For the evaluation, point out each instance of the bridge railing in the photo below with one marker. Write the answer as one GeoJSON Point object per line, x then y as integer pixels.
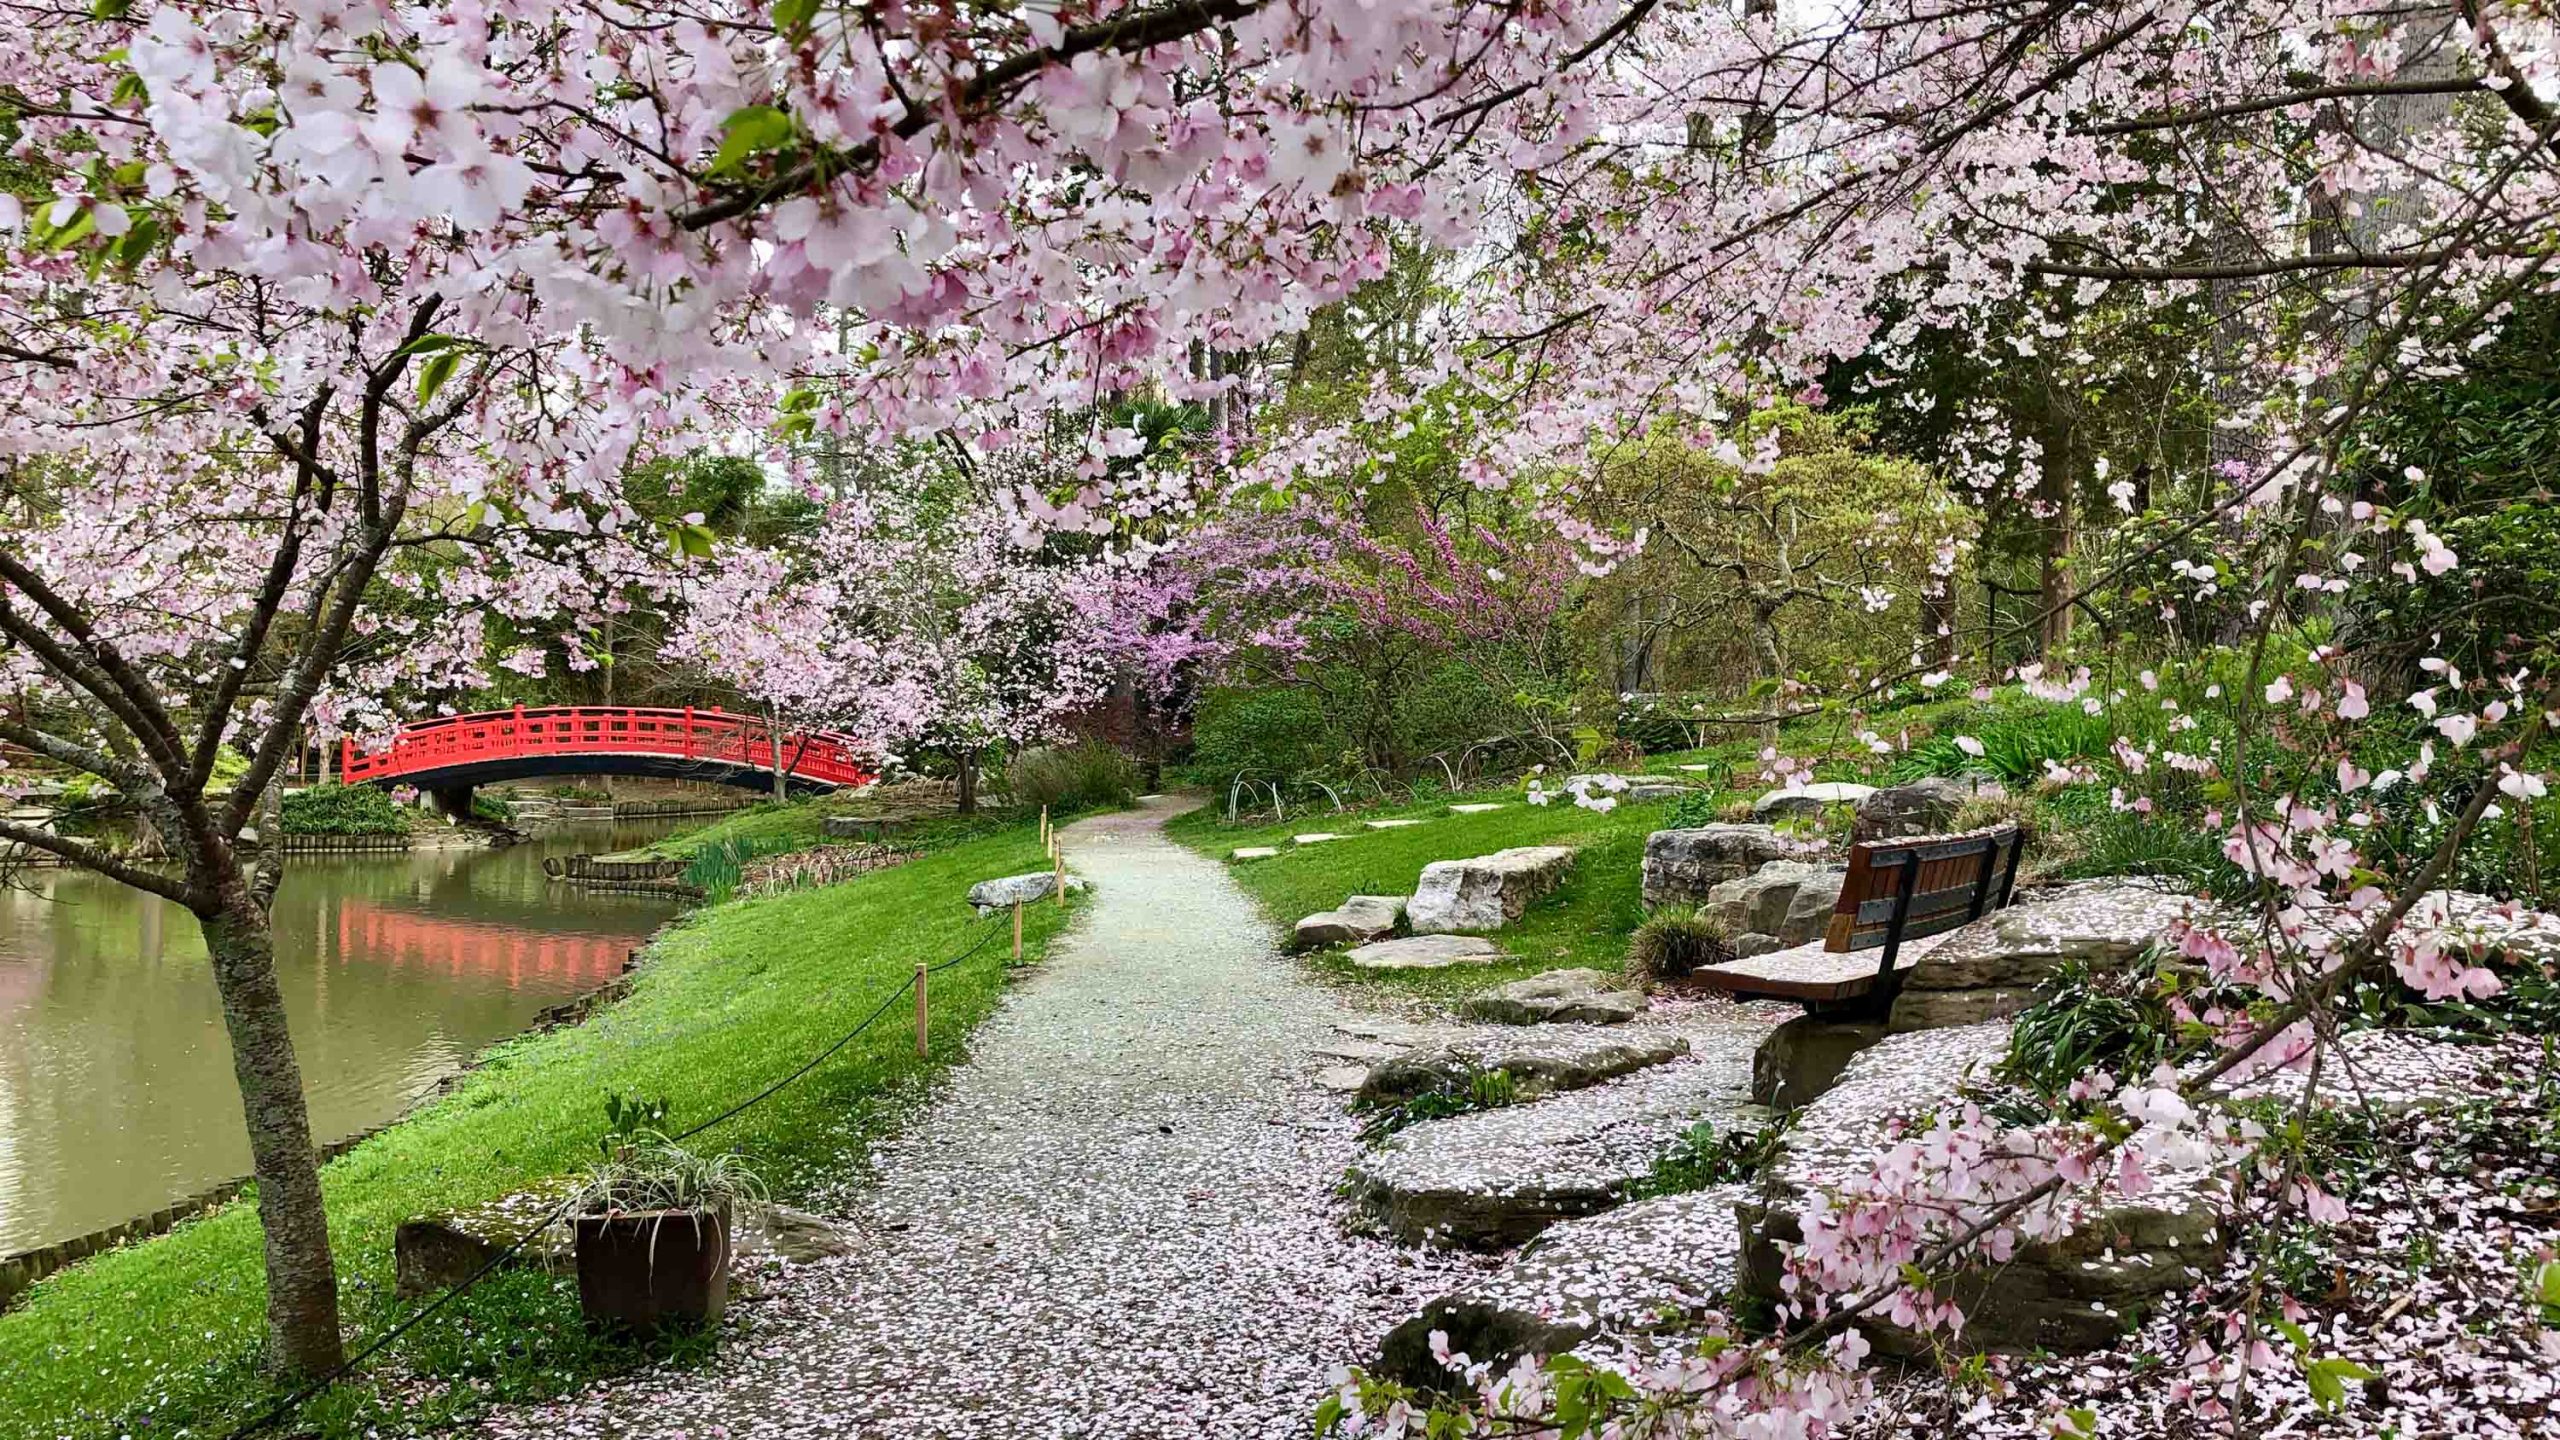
{"type": "Point", "coordinates": [689, 734]}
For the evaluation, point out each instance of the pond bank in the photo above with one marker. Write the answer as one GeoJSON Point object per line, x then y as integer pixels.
{"type": "Point", "coordinates": [729, 999]}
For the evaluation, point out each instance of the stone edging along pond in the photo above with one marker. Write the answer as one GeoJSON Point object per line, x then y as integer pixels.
{"type": "Point", "coordinates": [20, 1272]}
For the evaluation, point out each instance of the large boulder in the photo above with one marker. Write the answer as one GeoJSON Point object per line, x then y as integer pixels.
{"type": "Point", "coordinates": [1487, 892]}
{"type": "Point", "coordinates": [1807, 801]}
{"type": "Point", "coordinates": [1494, 1178]}
{"type": "Point", "coordinates": [2069, 1295]}
{"type": "Point", "coordinates": [1990, 969]}
{"type": "Point", "coordinates": [1682, 866]}
{"type": "Point", "coordinates": [1788, 901]}
{"type": "Point", "coordinates": [1648, 1268]}
{"type": "Point", "coordinates": [1539, 1062]}
{"type": "Point", "coordinates": [1019, 889]}
{"type": "Point", "coordinates": [1923, 807]}
{"type": "Point", "coordinates": [1578, 996]}
{"type": "Point", "coordinates": [1425, 952]}
{"type": "Point", "coordinates": [1359, 920]}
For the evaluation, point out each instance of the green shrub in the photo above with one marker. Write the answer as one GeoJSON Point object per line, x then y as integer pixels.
{"type": "Point", "coordinates": [1085, 776]}
{"type": "Point", "coordinates": [715, 869]}
{"type": "Point", "coordinates": [1275, 734]}
{"type": "Point", "coordinates": [2015, 744]}
{"type": "Point", "coordinates": [2089, 1017]}
{"type": "Point", "coordinates": [1697, 808]}
{"type": "Point", "coordinates": [1705, 1156]}
{"type": "Point", "coordinates": [341, 810]}
{"type": "Point", "coordinates": [1983, 812]}
{"type": "Point", "coordinates": [1672, 943]}
{"type": "Point", "coordinates": [1477, 1090]}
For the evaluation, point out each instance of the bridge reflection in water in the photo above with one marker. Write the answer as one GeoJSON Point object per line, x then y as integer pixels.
{"type": "Point", "coordinates": [116, 1094]}
{"type": "Point", "coordinates": [370, 934]}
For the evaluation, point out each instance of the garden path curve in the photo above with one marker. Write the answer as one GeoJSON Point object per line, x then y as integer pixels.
{"type": "Point", "coordinates": [1113, 1222]}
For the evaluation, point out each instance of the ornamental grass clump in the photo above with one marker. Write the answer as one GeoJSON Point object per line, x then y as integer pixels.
{"type": "Point", "coordinates": [1674, 942]}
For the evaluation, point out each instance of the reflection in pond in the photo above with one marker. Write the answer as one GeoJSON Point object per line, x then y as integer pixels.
{"type": "Point", "coordinates": [116, 1094]}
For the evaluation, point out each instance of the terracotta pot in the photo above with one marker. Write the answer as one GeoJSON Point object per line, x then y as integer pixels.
{"type": "Point", "coordinates": [647, 1269]}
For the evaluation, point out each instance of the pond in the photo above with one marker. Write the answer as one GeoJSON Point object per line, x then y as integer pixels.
{"type": "Point", "coordinates": [116, 1093]}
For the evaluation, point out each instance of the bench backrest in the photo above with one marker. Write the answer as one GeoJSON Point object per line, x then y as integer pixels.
{"type": "Point", "coordinates": [1919, 885]}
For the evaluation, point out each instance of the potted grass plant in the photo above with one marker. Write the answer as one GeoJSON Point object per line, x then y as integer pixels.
{"type": "Point", "coordinates": [652, 1223]}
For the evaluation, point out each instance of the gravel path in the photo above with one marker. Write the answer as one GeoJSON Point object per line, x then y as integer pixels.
{"type": "Point", "coordinates": [1115, 1220]}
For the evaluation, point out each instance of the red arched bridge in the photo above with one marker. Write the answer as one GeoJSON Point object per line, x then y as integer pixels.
{"type": "Point", "coordinates": [449, 756]}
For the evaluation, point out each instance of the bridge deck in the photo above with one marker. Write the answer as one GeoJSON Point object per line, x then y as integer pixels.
{"type": "Point", "coordinates": [685, 743]}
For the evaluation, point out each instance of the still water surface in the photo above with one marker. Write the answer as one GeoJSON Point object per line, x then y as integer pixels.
{"type": "Point", "coordinates": [116, 1094]}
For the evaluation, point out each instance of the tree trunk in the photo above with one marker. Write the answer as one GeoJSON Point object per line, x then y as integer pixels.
{"type": "Point", "coordinates": [1938, 625]}
{"type": "Point", "coordinates": [965, 768]}
{"type": "Point", "coordinates": [302, 1279]}
{"type": "Point", "coordinates": [773, 737]}
{"type": "Point", "coordinates": [2054, 489]}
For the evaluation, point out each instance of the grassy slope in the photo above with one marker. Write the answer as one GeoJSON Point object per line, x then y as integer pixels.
{"type": "Point", "coordinates": [164, 1333]}
{"type": "Point", "coordinates": [1585, 922]}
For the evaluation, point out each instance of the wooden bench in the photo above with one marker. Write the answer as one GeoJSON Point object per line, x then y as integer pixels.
{"type": "Point", "coordinates": [1896, 892]}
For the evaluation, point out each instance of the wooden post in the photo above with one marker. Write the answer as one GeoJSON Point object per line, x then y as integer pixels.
{"type": "Point", "coordinates": [1061, 852]}
{"type": "Point", "coordinates": [1044, 827]}
{"type": "Point", "coordinates": [1017, 932]}
{"type": "Point", "coordinates": [922, 1031]}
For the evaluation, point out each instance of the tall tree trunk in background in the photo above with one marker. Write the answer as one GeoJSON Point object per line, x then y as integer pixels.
{"type": "Point", "coordinates": [2055, 492]}
{"type": "Point", "coordinates": [302, 1280]}
{"type": "Point", "coordinates": [1938, 625]}
{"type": "Point", "coordinates": [965, 781]}
{"type": "Point", "coordinates": [773, 736]}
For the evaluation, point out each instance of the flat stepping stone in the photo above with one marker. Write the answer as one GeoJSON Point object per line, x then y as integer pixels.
{"type": "Point", "coordinates": [1494, 1178]}
{"type": "Point", "coordinates": [1539, 1062]}
{"type": "Point", "coordinates": [1558, 997]}
{"type": "Point", "coordinates": [1254, 852]}
{"type": "Point", "coordinates": [1487, 892]}
{"type": "Point", "coordinates": [1315, 837]}
{"type": "Point", "coordinates": [1356, 921]}
{"type": "Point", "coordinates": [438, 1252]}
{"type": "Point", "coordinates": [1389, 824]}
{"type": "Point", "coordinates": [1478, 808]}
{"type": "Point", "coordinates": [1641, 1270]}
{"type": "Point", "coordinates": [1701, 769]}
{"type": "Point", "coordinates": [1426, 952]}
{"type": "Point", "coordinates": [1634, 789]}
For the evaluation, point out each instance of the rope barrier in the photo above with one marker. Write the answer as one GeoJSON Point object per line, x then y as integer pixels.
{"type": "Point", "coordinates": [375, 1346]}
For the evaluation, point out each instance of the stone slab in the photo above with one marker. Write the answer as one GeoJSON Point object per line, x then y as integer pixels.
{"type": "Point", "coordinates": [1254, 852]}
{"type": "Point", "coordinates": [1389, 824]}
{"type": "Point", "coordinates": [1316, 837]}
{"type": "Point", "coordinates": [1478, 808]}
{"type": "Point", "coordinates": [1499, 1177]}
{"type": "Point", "coordinates": [1019, 889]}
{"type": "Point", "coordinates": [1577, 996]}
{"type": "Point", "coordinates": [1643, 1269]}
{"type": "Point", "coordinates": [1809, 800]}
{"type": "Point", "coordinates": [1425, 952]}
{"type": "Point", "coordinates": [1540, 1062]}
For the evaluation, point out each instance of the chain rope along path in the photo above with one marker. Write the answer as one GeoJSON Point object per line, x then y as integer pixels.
{"type": "Point", "coordinates": [276, 1413]}
{"type": "Point", "coordinates": [1115, 1221]}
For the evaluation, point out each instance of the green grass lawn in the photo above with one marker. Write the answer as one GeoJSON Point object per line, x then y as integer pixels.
{"type": "Point", "coordinates": [1584, 922]}
{"type": "Point", "coordinates": [162, 1338]}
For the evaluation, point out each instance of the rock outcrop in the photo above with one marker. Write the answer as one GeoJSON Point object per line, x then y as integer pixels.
{"type": "Point", "coordinates": [1652, 1267]}
{"type": "Point", "coordinates": [1425, 952]}
{"type": "Point", "coordinates": [1990, 969]}
{"type": "Point", "coordinates": [1785, 902]}
{"type": "Point", "coordinates": [2070, 1295]}
{"type": "Point", "coordinates": [437, 1252]}
{"type": "Point", "coordinates": [1487, 892]}
{"type": "Point", "coordinates": [1569, 997]}
{"type": "Point", "coordinates": [1682, 866]}
{"type": "Point", "coordinates": [1357, 921]}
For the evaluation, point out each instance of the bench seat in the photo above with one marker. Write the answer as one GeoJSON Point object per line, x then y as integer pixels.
{"type": "Point", "coordinates": [1809, 972]}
